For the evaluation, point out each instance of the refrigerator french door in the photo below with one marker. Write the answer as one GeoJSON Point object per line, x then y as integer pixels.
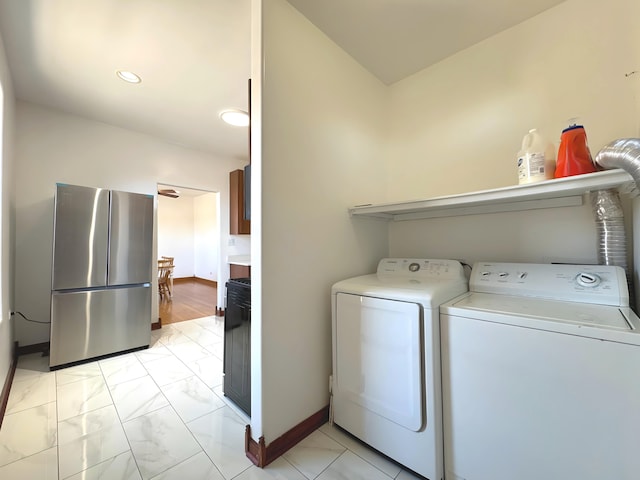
{"type": "Point", "coordinates": [101, 273]}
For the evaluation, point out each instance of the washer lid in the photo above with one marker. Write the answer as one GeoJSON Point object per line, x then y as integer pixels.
{"type": "Point", "coordinates": [597, 321]}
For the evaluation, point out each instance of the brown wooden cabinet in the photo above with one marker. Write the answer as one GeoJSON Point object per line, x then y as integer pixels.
{"type": "Point", "coordinates": [239, 271]}
{"type": "Point", "coordinates": [238, 224]}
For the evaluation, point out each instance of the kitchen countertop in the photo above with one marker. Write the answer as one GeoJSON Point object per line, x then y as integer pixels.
{"type": "Point", "coordinates": [244, 260]}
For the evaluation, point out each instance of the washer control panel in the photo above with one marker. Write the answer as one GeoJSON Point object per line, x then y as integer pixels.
{"type": "Point", "coordinates": [599, 284]}
{"type": "Point", "coordinates": [585, 279]}
{"type": "Point", "coordinates": [420, 268]}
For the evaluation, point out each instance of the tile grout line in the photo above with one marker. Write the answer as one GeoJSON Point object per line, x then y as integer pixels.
{"type": "Point", "coordinates": [202, 449]}
{"type": "Point", "coordinates": [113, 402]}
{"type": "Point", "coordinates": [55, 378]}
{"type": "Point", "coordinates": [365, 460]}
{"type": "Point", "coordinates": [210, 389]}
{"type": "Point", "coordinates": [177, 415]}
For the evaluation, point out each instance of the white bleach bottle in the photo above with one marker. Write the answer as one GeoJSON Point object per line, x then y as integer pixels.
{"type": "Point", "coordinates": [536, 159]}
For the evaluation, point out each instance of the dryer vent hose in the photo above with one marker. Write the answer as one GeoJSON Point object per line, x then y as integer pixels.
{"type": "Point", "coordinates": [607, 208]}
{"type": "Point", "coordinates": [612, 241]}
{"type": "Point", "coordinates": [623, 153]}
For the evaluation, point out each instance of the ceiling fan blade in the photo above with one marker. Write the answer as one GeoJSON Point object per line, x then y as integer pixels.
{"type": "Point", "coordinates": [168, 193]}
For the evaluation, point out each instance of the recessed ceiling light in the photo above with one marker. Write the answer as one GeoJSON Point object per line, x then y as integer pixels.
{"type": "Point", "coordinates": [128, 76]}
{"type": "Point", "coordinates": [238, 118]}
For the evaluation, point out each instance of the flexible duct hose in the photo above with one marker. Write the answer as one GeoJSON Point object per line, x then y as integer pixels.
{"type": "Point", "coordinates": [607, 208]}
{"type": "Point", "coordinates": [612, 242]}
{"type": "Point", "coordinates": [623, 153]}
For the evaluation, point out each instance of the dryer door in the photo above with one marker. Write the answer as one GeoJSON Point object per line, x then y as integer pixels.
{"type": "Point", "coordinates": [379, 357]}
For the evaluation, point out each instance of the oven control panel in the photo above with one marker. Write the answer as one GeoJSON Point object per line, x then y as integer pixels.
{"type": "Point", "coordinates": [600, 284]}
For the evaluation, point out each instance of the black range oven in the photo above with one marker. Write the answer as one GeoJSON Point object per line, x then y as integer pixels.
{"type": "Point", "coordinates": [237, 343]}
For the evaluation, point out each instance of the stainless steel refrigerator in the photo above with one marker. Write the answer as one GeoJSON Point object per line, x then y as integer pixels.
{"type": "Point", "coordinates": [101, 273]}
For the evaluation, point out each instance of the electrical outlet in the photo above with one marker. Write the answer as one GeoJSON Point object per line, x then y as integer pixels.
{"type": "Point", "coordinates": [232, 242]}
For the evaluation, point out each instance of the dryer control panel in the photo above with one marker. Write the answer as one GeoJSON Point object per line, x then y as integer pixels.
{"type": "Point", "coordinates": [420, 268]}
{"type": "Point", "coordinates": [598, 284]}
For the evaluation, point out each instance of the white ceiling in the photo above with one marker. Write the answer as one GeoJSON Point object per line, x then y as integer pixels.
{"type": "Point", "coordinates": [397, 38]}
{"type": "Point", "coordinates": [194, 55]}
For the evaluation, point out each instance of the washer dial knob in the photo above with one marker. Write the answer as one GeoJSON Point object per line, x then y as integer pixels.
{"type": "Point", "coordinates": [588, 279]}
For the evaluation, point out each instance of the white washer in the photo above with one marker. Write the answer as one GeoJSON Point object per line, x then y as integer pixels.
{"type": "Point", "coordinates": [541, 375]}
{"type": "Point", "coordinates": [386, 358]}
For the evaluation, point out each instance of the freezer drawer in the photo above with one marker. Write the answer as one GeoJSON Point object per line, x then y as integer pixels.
{"type": "Point", "coordinates": [87, 324]}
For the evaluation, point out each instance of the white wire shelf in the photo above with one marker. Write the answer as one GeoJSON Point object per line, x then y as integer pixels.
{"type": "Point", "coordinates": [562, 192]}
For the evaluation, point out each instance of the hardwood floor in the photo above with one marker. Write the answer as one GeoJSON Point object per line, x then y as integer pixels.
{"type": "Point", "coordinates": [191, 298]}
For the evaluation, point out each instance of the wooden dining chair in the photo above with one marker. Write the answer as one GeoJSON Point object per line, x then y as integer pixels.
{"type": "Point", "coordinates": [170, 261]}
{"type": "Point", "coordinates": [165, 271]}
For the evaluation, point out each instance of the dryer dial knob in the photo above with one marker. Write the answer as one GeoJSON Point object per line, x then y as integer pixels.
{"type": "Point", "coordinates": [588, 279]}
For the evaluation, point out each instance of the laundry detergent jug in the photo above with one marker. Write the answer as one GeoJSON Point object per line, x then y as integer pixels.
{"type": "Point", "coordinates": [574, 157]}
{"type": "Point", "coordinates": [536, 159]}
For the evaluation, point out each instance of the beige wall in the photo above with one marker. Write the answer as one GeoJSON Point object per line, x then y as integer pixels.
{"type": "Point", "coordinates": [55, 147]}
{"type": "Point", "coordinates": [7, 196]}
{"type": "Point", "coordinates": [332, 137]}
{"type": "Point", "coordinates": [175, 233]}
{"type": "Point", "coordinates": [321, 119]}
{"type": "Point", "coordinates": [188, 231]}
{"type": "Point", "coordinates": [458, 126]}
{"type": "Point", "coordinates": [206, 236]}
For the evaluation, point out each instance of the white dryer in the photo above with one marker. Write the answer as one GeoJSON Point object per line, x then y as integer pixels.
{"type": "Point", "coordinates": [541, 375]}
{"type": "Point", "coordinates": [386, 358]}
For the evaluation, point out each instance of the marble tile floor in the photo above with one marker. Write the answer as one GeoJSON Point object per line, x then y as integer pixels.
{"type": "Point", "coordinates": [156, 414]}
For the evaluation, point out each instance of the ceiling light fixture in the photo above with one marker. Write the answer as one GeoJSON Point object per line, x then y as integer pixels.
{"type": "Point", "coordinates": [129, 77]}
{"type": "Point", "coordinates": [237, 118]}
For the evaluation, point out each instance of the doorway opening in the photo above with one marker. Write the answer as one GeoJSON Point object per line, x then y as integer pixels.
{"type": "Point", "coordinates": [188, 234]}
